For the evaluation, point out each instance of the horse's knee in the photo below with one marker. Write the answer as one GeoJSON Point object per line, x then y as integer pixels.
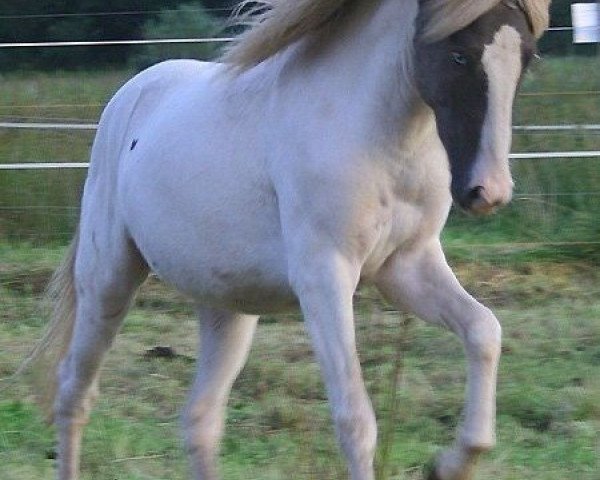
{"type": "Point", "coordinates": [484, 336]}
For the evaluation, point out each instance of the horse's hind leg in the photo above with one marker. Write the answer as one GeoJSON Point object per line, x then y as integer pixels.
{"type": "Point", "coordinates": [106, 274]}
{"type": "Point", "coordinates": [225, 340]}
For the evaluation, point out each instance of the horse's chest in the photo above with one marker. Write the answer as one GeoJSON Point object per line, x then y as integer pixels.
{"type": "Point", "coordinates": [401, 227]}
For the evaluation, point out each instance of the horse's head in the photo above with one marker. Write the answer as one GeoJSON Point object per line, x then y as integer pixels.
{"type": "Point", "coordinates": [469, 79]}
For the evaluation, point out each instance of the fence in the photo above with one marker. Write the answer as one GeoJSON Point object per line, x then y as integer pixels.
{"type": "Point", "coordinates": [41, 177]}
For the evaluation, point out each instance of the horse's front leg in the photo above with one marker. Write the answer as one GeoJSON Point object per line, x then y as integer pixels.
{"type": "Point", "coordinates": [423, 282]}
{"type": "Point", "coordinates": [324, 283]}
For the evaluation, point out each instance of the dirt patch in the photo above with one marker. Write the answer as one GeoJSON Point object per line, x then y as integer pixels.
{"type": "Point", "coordinates": [32, 282]}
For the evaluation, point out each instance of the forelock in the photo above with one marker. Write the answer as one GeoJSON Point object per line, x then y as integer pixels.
{"type": "Point", "coordinates": [442, 18]}
{"type": "Point", "coordinates": [538, 14]}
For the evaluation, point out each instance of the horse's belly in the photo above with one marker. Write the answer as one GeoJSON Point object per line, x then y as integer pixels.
{"type": "Point", "coordinates": [252, 290]}
{"type": "Point", "coordinates": [227, 269]}
{"type": "Point", "coordinates": [209, 225]}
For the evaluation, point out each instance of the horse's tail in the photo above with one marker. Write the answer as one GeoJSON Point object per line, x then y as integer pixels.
{"type": "Point", "coordinates": [44, 359]}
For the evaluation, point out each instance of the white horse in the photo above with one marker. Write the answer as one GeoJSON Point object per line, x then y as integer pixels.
{"type": "Point", "coordinates": [323, 151]}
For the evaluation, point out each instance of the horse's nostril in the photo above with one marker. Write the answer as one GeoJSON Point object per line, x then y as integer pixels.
{"type": "Point", "coordinates": [474, 194]}
{"type": "Point", "coordinates": [478, 201]}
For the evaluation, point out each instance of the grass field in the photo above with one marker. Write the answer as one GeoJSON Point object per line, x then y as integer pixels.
{"type": "Point", "coordinates": [535, 264]}
{"type": "Point", "coordinates": [548, 395]}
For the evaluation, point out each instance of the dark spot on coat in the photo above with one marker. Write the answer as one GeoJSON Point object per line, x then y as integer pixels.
{"type": "Point", "coordinates": [222, 275]}
{"type": "Point", "coordinates": [95, 243]}
{"type": "Point", "coordinates": [133, 144]}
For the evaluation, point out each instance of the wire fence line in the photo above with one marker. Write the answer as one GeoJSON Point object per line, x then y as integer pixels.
{"type": "Point", "coordinates": [94, 126]}
{"type": "Point", "coordinates": [553, 155]}
{"type": "Point", "coordinates": [48, 126]}
{"type": "Point", "coordinates": [157, 41]}
{"type": "Point", "coordinates": [556, 128]}
{"type": "Point", "coordinates": [43, 165]}
{"type": "Point", "coordinates": [156, 12]}
{"type": "Point", "coordinates": [103, 14]}
{"type": "Point", "coordinates": [104, 43]}
{"type": "Point", "coordinates": [558, 94]}
{"type": "Point", "coordinates": [59, 105]}
{"type": "Point", "coordinates": [153, 12]}
{"type": "Point", "coordinates": [44, 122]}
{"type": "Point", "coordinates": [512, 156]}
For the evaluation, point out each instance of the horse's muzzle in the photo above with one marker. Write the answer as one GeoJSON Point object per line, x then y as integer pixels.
{"type": "Point", "coordinates": [481, 201]}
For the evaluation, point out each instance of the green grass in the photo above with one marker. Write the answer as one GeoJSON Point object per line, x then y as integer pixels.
{"type": "Point", "coordinates": [278, 419]}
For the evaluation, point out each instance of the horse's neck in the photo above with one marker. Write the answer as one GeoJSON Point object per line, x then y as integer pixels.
{"type": "Point", "coordinates": [369, 62]}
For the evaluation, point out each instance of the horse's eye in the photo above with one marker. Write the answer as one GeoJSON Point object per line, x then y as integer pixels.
{"type": "Point", "coordinates": [459, 58]}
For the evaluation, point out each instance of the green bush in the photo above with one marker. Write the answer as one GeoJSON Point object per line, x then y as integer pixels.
{"type": "Point", "coordinates": [186, 21]}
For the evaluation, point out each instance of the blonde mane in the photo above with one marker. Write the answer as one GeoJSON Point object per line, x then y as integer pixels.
{"type": "Point", "coordinates": [444, 17]}
{"type": "Point", "coordinates": [276, 24]}
{"type": "Point", "coordinates": [538, 12]}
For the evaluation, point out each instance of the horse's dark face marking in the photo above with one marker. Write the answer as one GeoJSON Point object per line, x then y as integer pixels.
{"type": "Point", "coordinates": [461, 78]}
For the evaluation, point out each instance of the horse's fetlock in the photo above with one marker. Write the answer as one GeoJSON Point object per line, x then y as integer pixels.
{"type": "Point", "coordinates": [202, 425]}
{"type": "Point", "coordinates": [63, 417]}
{"type": "Point", "coordinates": [474, 446]}
{"type": "Point", "coordinates": [72, 408]}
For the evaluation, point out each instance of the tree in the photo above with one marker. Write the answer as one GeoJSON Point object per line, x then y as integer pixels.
{"type": "Point", "coordinates": [65, 20]}
{"type": "Point", "coordinates": [189, 20]}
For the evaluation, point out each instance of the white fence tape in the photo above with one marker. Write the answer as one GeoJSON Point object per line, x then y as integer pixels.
{"type": "Point", "coordinates": [513, 156]}
{"type": "Point", "coordinates": [555, 128]}
{"type": "Point", "coordinates": [101, 43]}
{"type": "Point", "coordinates": [48, 126]}
{"type": "Point", "coordinates": [42, 166]}
{"type": "Point", "coordinates": [93, 126]}
{"type": "Point", "coordinates": [553, 155]}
